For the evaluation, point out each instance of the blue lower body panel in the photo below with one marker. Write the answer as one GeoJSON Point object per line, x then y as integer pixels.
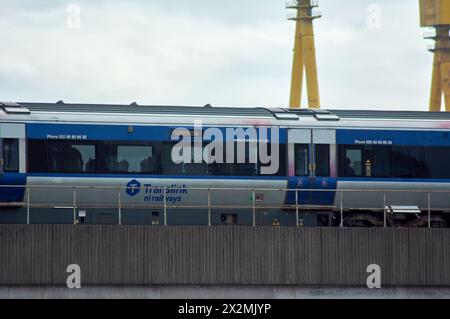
{"type": "Point", "coordinates": [15, 193]}
{"type": "Point", "coordinates": [315, 193]}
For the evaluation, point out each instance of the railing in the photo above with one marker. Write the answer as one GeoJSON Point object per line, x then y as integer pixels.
{"type": "Point", "coordinates": [255, 205]}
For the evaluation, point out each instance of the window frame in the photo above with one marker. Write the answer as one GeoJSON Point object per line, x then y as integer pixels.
{"type": "Point", "coordinates": [102, 159]}
{"type": "Point", "coordinates": [38, 160]}
{"type": "Point", "coordinates": [308, 161]}
{"type": "Point", "coordinates": [71, 143]}
{"type": "Point", "coordinates": [15, 143]}
{"type": "Point", "coordinates": [342, 151]}
{"type": "Point", "coordinates": [328, 162]}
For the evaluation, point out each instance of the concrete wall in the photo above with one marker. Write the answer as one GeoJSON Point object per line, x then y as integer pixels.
{"type": "Point", "coordinates": [140, 255]}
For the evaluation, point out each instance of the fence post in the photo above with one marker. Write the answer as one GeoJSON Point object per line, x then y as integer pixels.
{"type": "Point", "coordinates": [385, 209]}
{"type": "Point", "coordinates": [296, 208]}
{"type": "Point", "coordinates": [28, 205]}
{"type": "Point", "coordinates": [429, 209]}
{"type": "Point", "coordinates": [120, 206]}
{"type": "Point", "coordinates": [74, 205]}
{"type": "Point", "coordinates": [165, 206]}
{"type": "Point", "coordinates": [254, 207]}
{"type": "Point", "coordinates": [209, 207]}
{"type": "Point", "coordinates": [341, 200]}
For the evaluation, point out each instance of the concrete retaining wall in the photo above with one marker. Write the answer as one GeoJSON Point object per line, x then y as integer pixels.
{"type": "Point", "coordinates": [145, 255]}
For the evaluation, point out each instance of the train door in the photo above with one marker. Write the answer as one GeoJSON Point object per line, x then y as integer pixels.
{"type": "Point", "coordinates": [12, 162]}
{"type": "Point", "coordinates": [312, 166]}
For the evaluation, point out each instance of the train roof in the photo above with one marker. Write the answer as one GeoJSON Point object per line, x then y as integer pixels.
{"type": "Point", "coordinates": [208, 110]}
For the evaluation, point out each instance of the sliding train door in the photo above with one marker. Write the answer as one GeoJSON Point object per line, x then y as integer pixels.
{"type": "Point", "coordinates": [12, 162]}
{"type": "Point", "coordinates": [312, 166]}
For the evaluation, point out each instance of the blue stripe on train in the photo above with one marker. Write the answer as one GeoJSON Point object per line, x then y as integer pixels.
{"type": "Point", "coordinates": [320, 197]}
{"type": "Point", "coordinates": [143, 176]}
{"type": "Point", "coordinates": [292, 180]}
{"type": "Point", "coordinates": [12, 194]}
{"type": "Point", "coordinates": [393, 180]}
{"type": "Point", "coordinates": [93, 132]}
{"type": "Point", "coordinates": [391, 137]}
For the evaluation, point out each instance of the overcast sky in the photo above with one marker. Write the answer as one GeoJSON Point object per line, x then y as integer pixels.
{"type": "Point", "coordinates": [371, 54]}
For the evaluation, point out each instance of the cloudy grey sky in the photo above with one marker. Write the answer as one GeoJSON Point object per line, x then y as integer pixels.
{"type": "Point", "coordinates": [227, 53]}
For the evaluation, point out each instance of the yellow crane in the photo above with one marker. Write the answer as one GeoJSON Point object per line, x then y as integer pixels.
{"type": "Point", "coordinates": [436, 14]}
{"type": "Point", "coordinates": [304, 54]}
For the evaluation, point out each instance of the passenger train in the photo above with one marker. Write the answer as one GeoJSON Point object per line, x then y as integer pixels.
{"type": "Point", "coordinates": [107, 164]}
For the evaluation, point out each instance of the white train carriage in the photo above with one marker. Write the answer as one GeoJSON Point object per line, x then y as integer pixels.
{"type": "Point", "coordinates": [65, 163]}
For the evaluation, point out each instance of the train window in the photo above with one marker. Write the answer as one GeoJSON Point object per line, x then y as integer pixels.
{"type": "Point", "coordinates": [11, 155]}
{"type": "Point", "coordinates": [411, 162]}
{"type": "Point", "coordinates": [71, 157]}
{"type": "Point", "coordinates": [437, 159]}
{"type": "Point", "coordinates": [246, 164]}
{"type": "Point", "coordinates": [394, 161]}
{"type": "Point", "coordinates": [37, 156]}
{"type": "Point", "coordinates": [252, 165]}
{"type": "Point", "coordinates": [352, 162]}
{"type": "Point", "coordinates": [301, 160]}
{"type": "Point", "coordinates": [322, 160]}
{"type": "Point", "coordinates": [135, 158]}
{"type": "Point", "coordinates": [378, 161]}
{"type": "Point", "coordinates": [282, 159]}
{"type": "Point", "coordinates": [416, 162]}
{"type": "Point", "coordinates": [123, 158]}
{"type": "Point", "coordinates": [169, 167]}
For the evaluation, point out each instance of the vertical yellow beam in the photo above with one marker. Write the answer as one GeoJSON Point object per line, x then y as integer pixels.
{"type": "Point", "coordinates": [297, 69]}
{"type": "Point", "coordinates": [445, 75]}
{"type": "Point", "coordinates": [436, 87]}
{"type": "Point", "coordinates": [441, 70]}
{"type": "Point", "coordinates": [304, 56]}
{"type": "Point", "coordinates": [436, 14]}
{"type": "Point", "coordinates": [309, 51]}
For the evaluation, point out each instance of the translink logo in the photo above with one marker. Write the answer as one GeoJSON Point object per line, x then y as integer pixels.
{"type": "Point", "coordinates": [133, 188]}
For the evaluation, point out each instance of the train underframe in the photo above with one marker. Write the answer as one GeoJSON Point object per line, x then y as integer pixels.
{"type": "Point", "coordinates": [306, 218]}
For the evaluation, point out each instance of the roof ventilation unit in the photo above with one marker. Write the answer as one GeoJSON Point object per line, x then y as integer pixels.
{"type": "Point", "coordinates": [324, 115]}
{"type": "Point", "coordinates": [14, 108]}
{"type": "Point", "coordinates": [283, 114]}
{"type": "Point", "coordinates": [286, 116]}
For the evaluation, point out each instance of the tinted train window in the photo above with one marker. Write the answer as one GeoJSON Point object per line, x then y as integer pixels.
{"type": "Point", "coordinates": [323, 160]}
{"type": "Point", "coordinates": [71, 157]}
{"type": "Point", "coordinates": [245, 164]}
{"type": "Point", "coordinates": [378, 161]}
{"type": "Point", "coordinates": [415, 162]}
{"type": "Point", "coordinates": [37, 156]}
{"type": "Point", "coordinates": [61, 157]}
{"type": "Point", "coordinates": [350, 161]}
{"type": "Point", "coordinates": [169, 167]}
{"type": "Point", "coordinates": [301, 160]}
{"type": "Point", "coordinates": [436, 163]}
{"type": "Point", "coordinates": [122, 158]}
{"type": "Point", "coordinates": [395, 161]}
{"type": "Point", "coordinates": [220, 167]}
{"type": "Point", "coordinates": [11, 155]}
{"type": "Point", "coordinates": [130, 158]}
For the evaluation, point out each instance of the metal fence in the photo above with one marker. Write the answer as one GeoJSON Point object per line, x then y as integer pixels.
{"type": "Point", "coordinates": [255, 205]}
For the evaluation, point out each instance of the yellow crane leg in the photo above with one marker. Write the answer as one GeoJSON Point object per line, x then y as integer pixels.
{"type": "Point", "coordinates": [309, 51]}
{"type": "Point", "coordinates": [436, 87]}
{"type": "Point", "coordinates": [436, 14]}
{"type": "Point", "coordinates": [445, 76]}
{"type": "Point", "coordinates": [297, 69]}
